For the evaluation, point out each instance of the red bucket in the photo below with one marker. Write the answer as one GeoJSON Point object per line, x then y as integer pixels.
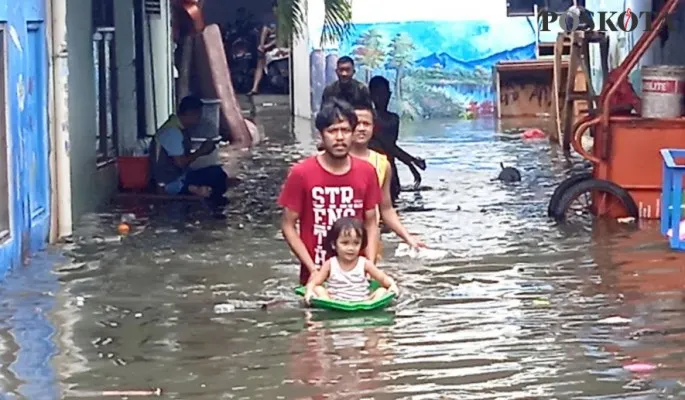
{"type": "Point", "coordinates": [134, 172]}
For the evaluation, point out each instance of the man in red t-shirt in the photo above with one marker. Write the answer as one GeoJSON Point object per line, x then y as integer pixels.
{"type": "Point", "coordinates": [328, 186]}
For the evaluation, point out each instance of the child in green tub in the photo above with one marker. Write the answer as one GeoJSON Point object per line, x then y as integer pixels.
{"type": "Point", "coordinates": [345, 273]}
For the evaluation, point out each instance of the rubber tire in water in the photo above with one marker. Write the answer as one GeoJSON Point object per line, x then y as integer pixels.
{"type": "Point", "coordinates": [565, 184]}
{"type": "Point", "coordinates": [589, 185]}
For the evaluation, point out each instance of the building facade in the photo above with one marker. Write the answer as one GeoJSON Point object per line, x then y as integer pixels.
{"type": "Point", "coordinates": [24, 139]}
{"type": "Point", "coordinates": [80, 82]}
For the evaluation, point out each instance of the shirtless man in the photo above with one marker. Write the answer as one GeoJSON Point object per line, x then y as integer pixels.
{"type": "Point", "coordinates": [386, 134]}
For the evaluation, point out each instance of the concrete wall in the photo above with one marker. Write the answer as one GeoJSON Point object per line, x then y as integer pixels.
{"type": "Point", "coordinates": [158, 58]}
{"type": "Point", "coordinates": [126, 74]}
{"type": "Point", "coordinates": [671, 52]}
{"type": "Point", "coordinates": [91, 185]}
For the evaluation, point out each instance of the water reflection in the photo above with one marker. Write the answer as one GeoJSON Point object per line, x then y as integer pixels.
{"type": "Point", "coordinates": [648, 282]}
{"type": "Point", "coordinates": [343, 356]}
{"type": "Point", "coordinates": [27, 345]}
{"type": "Point", "coordinates": [518, 308]}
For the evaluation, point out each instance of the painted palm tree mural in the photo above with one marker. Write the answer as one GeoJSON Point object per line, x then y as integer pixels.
{"type": "Point", "coordinates": [401, 58]}
{"type": "Point", "coordinates": [369, 52]}
{"type": "Point", "coordinates": [438, 69]}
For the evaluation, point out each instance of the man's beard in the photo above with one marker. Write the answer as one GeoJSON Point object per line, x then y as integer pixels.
{"type": "Point", "coordinates": [339, 156]}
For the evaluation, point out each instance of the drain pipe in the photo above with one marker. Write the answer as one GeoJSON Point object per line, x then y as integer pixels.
{"type": "Point", "coordinates": [60, 179]}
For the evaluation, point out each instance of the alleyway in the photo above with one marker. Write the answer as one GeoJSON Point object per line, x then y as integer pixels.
{"type": "Point", "coordinates": [517, 308]}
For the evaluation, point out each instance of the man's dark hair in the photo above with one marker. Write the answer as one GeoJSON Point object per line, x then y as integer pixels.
{"type": "Point", "coordinates": [334, 111]}
{"type": "Point", "coordinates": [345, 60]}
{"type": "Point", "coordinates": [190, 104]}
{"type": "Point", "coordinates": [379, 82]}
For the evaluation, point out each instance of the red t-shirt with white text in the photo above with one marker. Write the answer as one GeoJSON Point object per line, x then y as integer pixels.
{"type": "Point", "coordinates": [320, 198]}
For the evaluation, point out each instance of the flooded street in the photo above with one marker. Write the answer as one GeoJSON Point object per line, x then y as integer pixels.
{"type": "Point", "coordinates": [514, 308]}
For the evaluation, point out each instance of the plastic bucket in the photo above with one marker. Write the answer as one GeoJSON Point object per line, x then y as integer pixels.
{"type": "Point", "coordinates": [134, 172]}
{"type": "Point", "coordinates": [663, 87]}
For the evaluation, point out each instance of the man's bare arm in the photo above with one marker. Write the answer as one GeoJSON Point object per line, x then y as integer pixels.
{"type": "Point", "coordinates": [388, 213]}
{"type": "Point", "coordinates": [289, 229]}
{"type": "Point", "coordinates": [372, 232]}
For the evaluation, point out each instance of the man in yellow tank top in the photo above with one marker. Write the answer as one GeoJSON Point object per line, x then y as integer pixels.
{"type": "Point", "coordinates": [362, 135]}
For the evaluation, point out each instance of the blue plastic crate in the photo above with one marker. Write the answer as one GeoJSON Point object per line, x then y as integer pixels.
{"type": "Point", "coordinates": [672, 196]}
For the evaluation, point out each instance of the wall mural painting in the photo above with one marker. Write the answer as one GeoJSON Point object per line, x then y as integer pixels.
{"type": "Point", "coordinates": [436, 69]}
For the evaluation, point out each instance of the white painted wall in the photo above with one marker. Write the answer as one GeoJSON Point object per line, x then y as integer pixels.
{"type": "Point", "coordinates": [91, 186]}
{"type": "Point", "coordinates": [301, 73]}
{"type": "Point", "coordinates": [158, 57]}
{"type": "Point", "coordinates": [126, 73]}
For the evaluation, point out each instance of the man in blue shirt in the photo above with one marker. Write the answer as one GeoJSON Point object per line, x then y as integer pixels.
{"type": "Point", "coordinates": [172, 156]}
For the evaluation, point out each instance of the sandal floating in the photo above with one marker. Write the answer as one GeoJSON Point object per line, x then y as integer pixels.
{"type": "Point", "coordinates": [340, 305]}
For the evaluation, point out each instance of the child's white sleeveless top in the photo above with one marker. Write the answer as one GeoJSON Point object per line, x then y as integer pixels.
{"type": "Point", "coordinates": [348, 285]}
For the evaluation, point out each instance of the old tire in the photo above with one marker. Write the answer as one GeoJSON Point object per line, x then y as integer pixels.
{"type": "Point", "coordinates": [563, 186]}
{"type": "Point", "coordinates": [617, 195]}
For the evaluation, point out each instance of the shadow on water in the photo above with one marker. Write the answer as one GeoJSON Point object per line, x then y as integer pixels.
{"type": "Point", "coordinates": [517, 308]}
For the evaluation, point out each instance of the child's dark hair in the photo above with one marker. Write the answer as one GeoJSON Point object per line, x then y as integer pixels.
{"type": "Point", "coordinates": [343, 225]}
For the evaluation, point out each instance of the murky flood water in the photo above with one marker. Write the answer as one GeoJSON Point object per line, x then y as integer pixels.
{"type": "Point", "coordinates": [515, 308]}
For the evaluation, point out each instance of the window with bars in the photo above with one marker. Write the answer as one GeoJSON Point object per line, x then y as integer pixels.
{"type": "Point", "coordinates": [104, 62]}
{"type": "Point", "coordinates": [5, 232]}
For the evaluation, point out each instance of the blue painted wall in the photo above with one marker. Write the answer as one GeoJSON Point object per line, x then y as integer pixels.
{"type": "Point", "coordinates": [26, 73]}
{"type": "Point", "coordinates": [438, 69]}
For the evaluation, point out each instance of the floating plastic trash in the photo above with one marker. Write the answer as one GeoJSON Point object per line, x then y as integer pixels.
{"type": "Point", "coordinates": [640, 367]}
{"type": "Point", "coordinates": [403, 250]}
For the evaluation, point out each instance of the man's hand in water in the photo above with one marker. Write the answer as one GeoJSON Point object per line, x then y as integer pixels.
{"type": "Point", "coordinates": [420, 162]}
{"type": "Point", "coordinates": [416, 243]}
{"type": "Point", "coordinates": [308, 296]}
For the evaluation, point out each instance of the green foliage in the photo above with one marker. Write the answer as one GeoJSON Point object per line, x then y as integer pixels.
{"type": "Point", "coordinates": [368, 51]}
{"type": "Point", "coordinates": [401, 51]}
{"type": "Point", "coordinates": [292, 20]}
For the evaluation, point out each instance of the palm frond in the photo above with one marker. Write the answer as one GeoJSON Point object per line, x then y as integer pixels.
{"type": "Point", "coordinates": [291, 16]}
{"type": "Point", "coordinates": [291, 21]}
{"type": "Point", "coordinates": [337, 20]}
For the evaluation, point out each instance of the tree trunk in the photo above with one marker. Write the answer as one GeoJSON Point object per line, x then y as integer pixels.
{"type": "Point", "coordinates": [398, 83]}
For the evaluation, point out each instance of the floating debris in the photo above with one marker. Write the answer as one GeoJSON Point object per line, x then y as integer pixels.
{"type": "Point", "coordinates": [616, 320]}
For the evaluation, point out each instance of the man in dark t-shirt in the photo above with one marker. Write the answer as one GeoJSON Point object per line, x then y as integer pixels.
{"type": "Point", "coordinates": [346, 88]}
